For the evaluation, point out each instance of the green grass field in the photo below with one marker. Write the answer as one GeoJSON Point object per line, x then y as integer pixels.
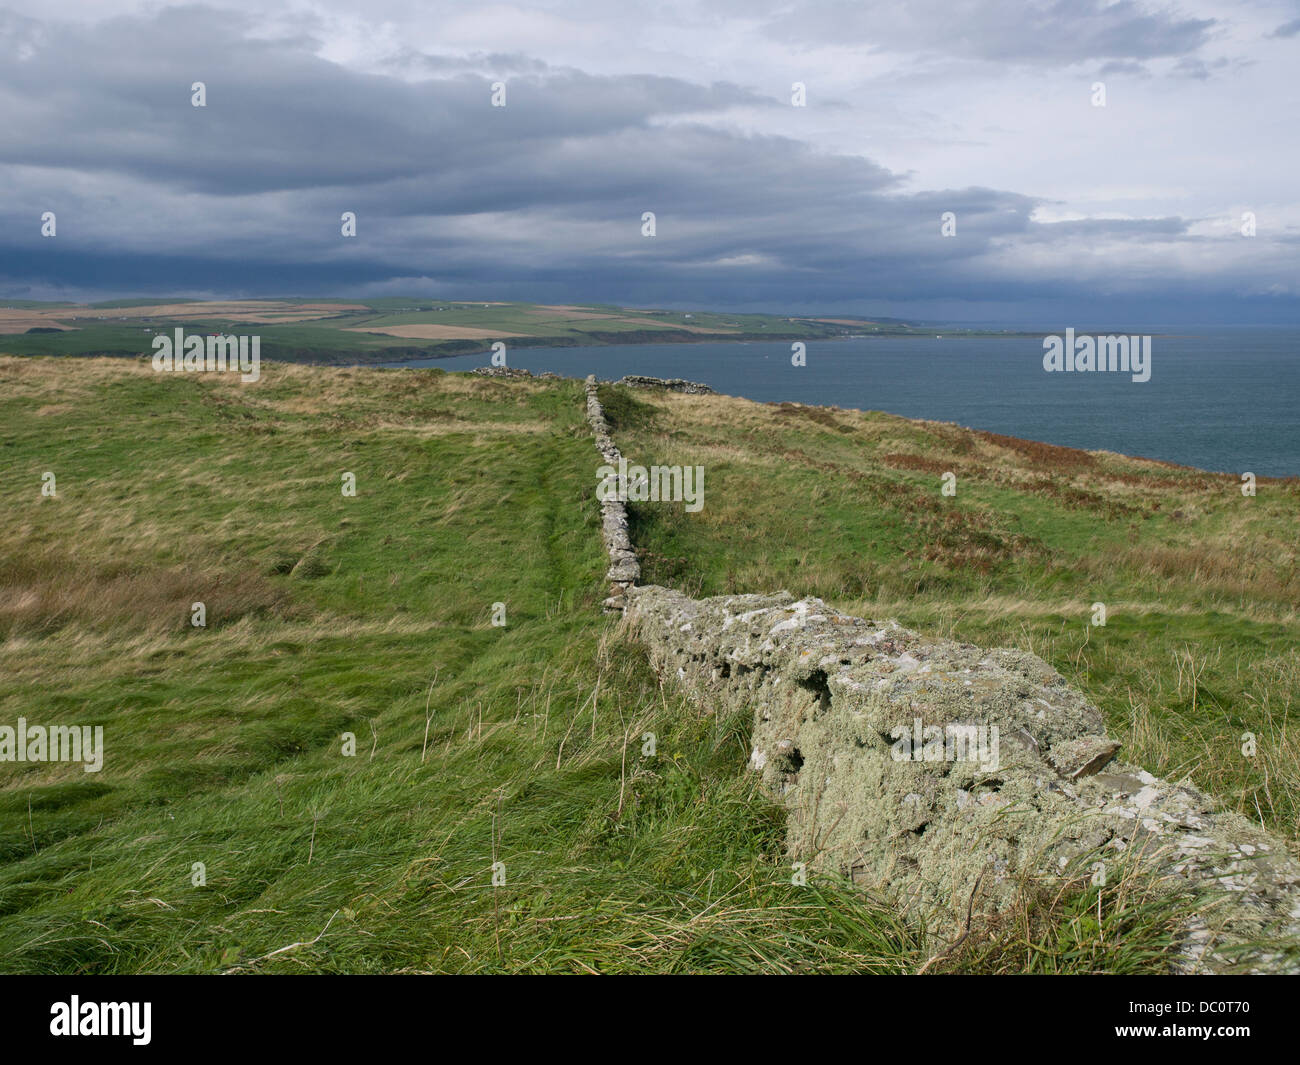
{"type": "Point", "coordinates": [337, 332]}
{"type": "Point", "coordinates": [520, 748]}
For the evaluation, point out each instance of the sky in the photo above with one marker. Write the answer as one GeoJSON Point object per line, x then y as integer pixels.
{"type": "Point", "coordinates": [1062, 211]}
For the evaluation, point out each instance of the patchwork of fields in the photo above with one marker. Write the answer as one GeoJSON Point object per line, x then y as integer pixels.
{"type": "Point", "coordinates": [352, 331]}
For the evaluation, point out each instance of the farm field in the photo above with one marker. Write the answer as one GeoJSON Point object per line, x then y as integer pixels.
{"type": "Point", "coordinates": [352, 331]}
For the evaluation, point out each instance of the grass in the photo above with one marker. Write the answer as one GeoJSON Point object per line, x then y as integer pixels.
{"type": "Point", "coordinates": [370, 617]}
{"type": "Point", "coordinates": [474, 743]}
{"type": "Point", "coordinates": [1201, 585]}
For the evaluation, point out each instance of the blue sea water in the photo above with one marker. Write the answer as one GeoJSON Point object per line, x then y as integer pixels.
{"type": "Point", "coordinates": [1221, 399]}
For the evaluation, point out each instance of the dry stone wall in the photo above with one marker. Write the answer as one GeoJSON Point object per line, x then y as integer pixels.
{"type": "Point", "coordinates": [948, 774]}
{"type": "Point", "coordinates": [624, 569]}
{"type": "Point", "coordinates": [666, 384]}
{"type": "Point", "coordinates": [833, 699]}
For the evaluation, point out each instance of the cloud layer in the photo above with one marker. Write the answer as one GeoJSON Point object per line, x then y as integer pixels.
{"type": "Point", "coordinates": [758, 203]}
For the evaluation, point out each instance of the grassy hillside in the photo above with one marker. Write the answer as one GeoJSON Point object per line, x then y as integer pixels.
{"type": "Point", "coordinates": [523, 744]}
{"type": "Point", "coordinates": [1201, 585]}
{"type": "Point", "coordinates": [372, 615]}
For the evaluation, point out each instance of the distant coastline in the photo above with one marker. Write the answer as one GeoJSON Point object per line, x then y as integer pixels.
{"type": "Point", "coordinates": [1219, 400]}
{"type": "Point", "coordinates": [366, 332]}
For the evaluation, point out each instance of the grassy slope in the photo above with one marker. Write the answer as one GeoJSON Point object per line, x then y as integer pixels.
{"type": "Point", "coordinates": [1201, 584]}
{"type": "Point", "coordinates": [328, 614]}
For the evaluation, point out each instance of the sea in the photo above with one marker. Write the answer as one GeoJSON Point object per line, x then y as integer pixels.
{"type": "Point", "coordinates": [1222, 399]}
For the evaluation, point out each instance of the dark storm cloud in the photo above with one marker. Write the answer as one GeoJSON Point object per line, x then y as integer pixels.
{"type": "Point", "coordinates": [541, 199]}
{"type": "Point", "coordinates": [277, 117]}
{"type": "Point", "coordinates": [554, 184]}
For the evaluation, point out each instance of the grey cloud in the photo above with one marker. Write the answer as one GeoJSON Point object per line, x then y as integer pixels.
{"type": "Point", "coordinates": [1089, 230]}
{"type": "Point", "coordinates": [541, 199]}
{"type": "Point", "coordinates": [1125, 66]}
{"type": "Point", "coordinates": [1056, 31]}
{"type": "Point", "coordinates": [1199, 69]}
{"type": "Point", "coordinates": [277, 117]}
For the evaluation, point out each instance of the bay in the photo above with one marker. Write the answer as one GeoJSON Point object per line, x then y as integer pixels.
{"type": "Point", "coordinates": [1224, 399]}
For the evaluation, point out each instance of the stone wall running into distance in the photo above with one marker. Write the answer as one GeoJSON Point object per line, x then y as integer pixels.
{"type": "Point", "coordinates": [624, 569]}
{"type": "Point", "coordinates": [951, 830]}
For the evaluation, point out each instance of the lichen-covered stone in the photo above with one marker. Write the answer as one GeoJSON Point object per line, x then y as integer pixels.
{"type": "Point", "coordinates": [833, 698]}
{"type": "Point", "coordinates": [667, 384]}
{"type": "Point", "coordinates": [1082, 757]}
{"type": "Point", "coordinates": [503, 371]}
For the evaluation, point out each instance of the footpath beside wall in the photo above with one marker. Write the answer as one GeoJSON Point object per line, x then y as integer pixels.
{"type": "Point", "coordinates": [878, 740]}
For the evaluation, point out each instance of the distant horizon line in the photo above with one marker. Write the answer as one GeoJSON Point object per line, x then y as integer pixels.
{"type": "Point", "coordinates": [1035, 324]}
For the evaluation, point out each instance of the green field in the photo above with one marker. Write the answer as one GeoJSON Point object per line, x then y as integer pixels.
{"type": "Point", "coordinates": [350, 331]}
{"type": "Point", "coordinates": [522, 744]}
